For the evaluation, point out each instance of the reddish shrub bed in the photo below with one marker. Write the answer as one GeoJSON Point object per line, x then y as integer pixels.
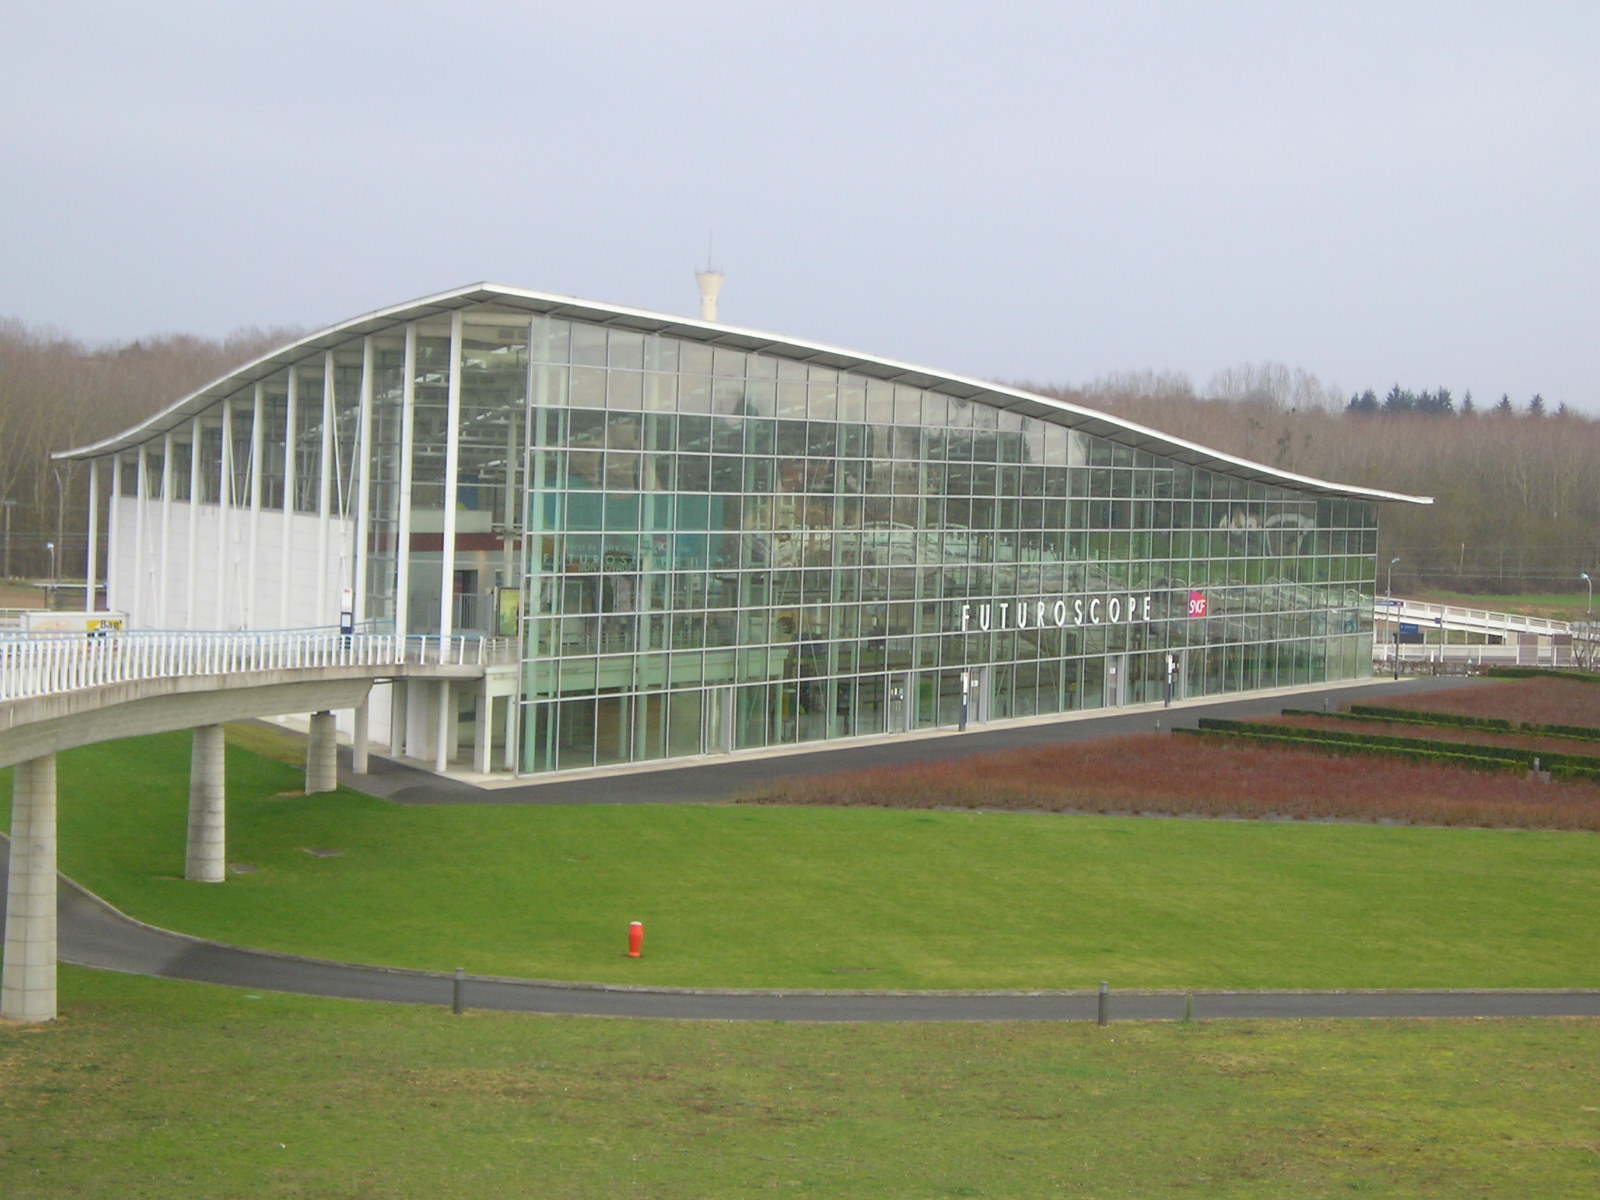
{"type": "Point", "coordinates": [1439, 733]}
{"type": "Point", "coordinates": [1536, 701]}
{"type": "Point", "coordinates": [1163, 774]}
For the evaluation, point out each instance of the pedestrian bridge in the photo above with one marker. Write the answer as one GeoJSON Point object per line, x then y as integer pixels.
{"type": "Point", "coordinates": [1495, 638]}
{"type": "Point", "coordinates": [61, 691]}
{"type": "Point", "coordinates": [1468, 620]}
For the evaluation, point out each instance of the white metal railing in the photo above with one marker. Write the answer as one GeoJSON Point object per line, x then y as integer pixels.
{"type": "Point", "coordinates": [1456, 657]}
{"type": "Point", "coordinates": [44, 664]}
{"type": "Point", "coordinates": [1472, 620]}
{"type": "Point", "coordinates": [1413, 657]}
{"type": "Point", "coordinates": [1527, 641]}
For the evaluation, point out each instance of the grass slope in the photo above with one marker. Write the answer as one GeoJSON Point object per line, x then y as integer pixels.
{"type": "Point", "coordinates": [1560, 605]}
{"type": "Point", "coordinates": [164, 1090]}
{"type": "Point", "coordinates": [744, 896]}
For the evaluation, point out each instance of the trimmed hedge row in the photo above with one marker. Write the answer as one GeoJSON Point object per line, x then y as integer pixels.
{"type": "Point", "coordinates": [1409, 716]}
{"type": "Point", "coordinates": [1388, 716]}
{"type": "Point", "coordinates": [1378, 740]}
{"type": "Point", "coordinates": [1568, 766]}
{"type": "Point", "coordinates": [1541, 673]}
{"type": "Point", "coordinates": [1586, 732]}
{"type": "Point", "coordinates": [1321, 746]}
{"type": "Point", "coordinates": [1416, 717]}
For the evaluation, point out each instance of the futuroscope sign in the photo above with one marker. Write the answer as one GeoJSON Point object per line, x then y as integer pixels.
{"type": "Point", "coordinates": [1060, 613]}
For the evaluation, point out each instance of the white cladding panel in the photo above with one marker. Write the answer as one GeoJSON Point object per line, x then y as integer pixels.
{"type": "Point", "coordinates": [222, 571]}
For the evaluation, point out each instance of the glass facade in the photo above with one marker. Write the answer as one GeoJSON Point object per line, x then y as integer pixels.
{"type": "Point", "coordinates": [704, 543]}
{"type": "Point", "coordinates": [726, 551]}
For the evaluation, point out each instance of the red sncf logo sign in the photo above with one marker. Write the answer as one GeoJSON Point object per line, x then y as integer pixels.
{"type": "Point", "coordinates": [1197, 604]}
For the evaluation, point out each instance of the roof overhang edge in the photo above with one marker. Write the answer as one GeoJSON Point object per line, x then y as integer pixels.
{"type": "Point", "coordinates": [550, 304]}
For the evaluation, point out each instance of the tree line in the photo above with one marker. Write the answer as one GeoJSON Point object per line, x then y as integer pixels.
{"type": "Point", "coordinates": [57, 392]}
{"type": "Point", "coordinates": [1516, 488]}
{"type": "Point", "coordinates": [1441, 403]}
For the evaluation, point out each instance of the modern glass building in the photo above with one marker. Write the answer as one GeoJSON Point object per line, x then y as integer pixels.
{"type": "Point", "coordinates": [699, 540]}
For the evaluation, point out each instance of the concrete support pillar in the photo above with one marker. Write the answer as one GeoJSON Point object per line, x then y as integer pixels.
{"type": "Point", "coordinates": [445, 742]}
{"type": "Point", "coordinates": [28, 985]}
{"type": "Point", "coordinates": [421, 721]}
{"type": "Point", "coordinates": [397, 718]}
{"type": "Point", "coordinates": [483, 729]}
{"type": "Point", "coordinates": [358, 738]}
{"type": "Point", "coordinates": [513, 730]}
{"type": "Point", "coordinates": [208, 844]}
{"type": "Point", "coordinates": [322, 754]}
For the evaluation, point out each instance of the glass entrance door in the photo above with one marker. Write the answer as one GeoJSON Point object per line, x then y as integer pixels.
{"type": "Point", "coordinates": [1116, 680]}
{"type": "Point", "coordinates": [900, 702]}
{"type": "Point", "coordinates": [863, 704]}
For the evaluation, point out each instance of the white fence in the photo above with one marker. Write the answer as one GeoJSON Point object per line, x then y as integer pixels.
{"type": "Point", "coordinates": [1416, 659]}
{"type": "Point", "coordinates": [1523, 641]}
{"type": "Point", "coordinates": [40, 665]}
{"type": "Point", "coordinates": [1470, 620]}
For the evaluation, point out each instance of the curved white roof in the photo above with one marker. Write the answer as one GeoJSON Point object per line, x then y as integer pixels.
{"type": "Point", "coordinates": [1060, 412]}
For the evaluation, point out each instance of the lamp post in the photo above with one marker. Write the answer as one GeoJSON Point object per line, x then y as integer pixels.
{"type": "Point", "coordinates": [51, 546]}
{"type": "Point", "coordinates": [6, 505]}
{"type": "Point", "coordinates": [1588, 621]}
{"type": "Point", "coordinates": [63, 474]}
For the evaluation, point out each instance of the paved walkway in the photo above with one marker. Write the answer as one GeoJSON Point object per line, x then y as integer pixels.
{"type": "Point", "coordinates": [93, 934]}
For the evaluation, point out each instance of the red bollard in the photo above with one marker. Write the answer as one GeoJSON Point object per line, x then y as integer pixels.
{"type": "Point", "coordinates": [635, 939]}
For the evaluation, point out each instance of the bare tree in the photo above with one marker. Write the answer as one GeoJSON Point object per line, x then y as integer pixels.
{"type": "Point", "coordinates": [56, 393]}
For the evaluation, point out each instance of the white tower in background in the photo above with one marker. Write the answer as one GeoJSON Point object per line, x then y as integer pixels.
{"type": "Point", "coordinates": [710, 281]}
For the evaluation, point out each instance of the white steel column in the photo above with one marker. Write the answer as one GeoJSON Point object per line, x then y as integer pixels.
{"type": "Point", "coordinates": [290, 416]}
{"type": "Point", "coordinates": [28, 983]}
{"type": "Point", "coordinates": [402, 536]}
{"type": "Point", "coordinates": [532, 581]}
{"type": "Point", "coordinates": [363, 481]}
{"type": "Point", "coordinates": [510, 548]}
{"type": "Point", "coordinates": [227, 558]}
{"type": "Point", "coordinates": [141, 502]}
{"type": "Point", "coordinates": [193, 557]}
{"type": "Point", "coordinates": [325, 492]}
{"type": "Point", "coordinates": [399, 694]}
{"type": "Point", "coordinates": [204, 859]}
{"type": "Point", "coordinates": [91, 558]}
{"type": "Point", "coordinates": [482, 728]}
{"type": "Point", "coordinates": [115, 589]}
{"type": "Point", "coordinates": [257, 452]}
{"type": "Point", "coordinates": [452, 464]}
{"type": "Point", "coordinates": [444, 742]}
{"type": "Point", "coordinates": [163, 612]}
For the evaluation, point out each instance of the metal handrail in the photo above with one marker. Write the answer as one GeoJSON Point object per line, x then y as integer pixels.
{"type": "Point", "coordinates": [1457, 617]}
{"type": "Point", "coordinates": [46, 664]}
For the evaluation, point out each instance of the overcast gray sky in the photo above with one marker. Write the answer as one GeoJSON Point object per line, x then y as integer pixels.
{"type": "Point", "coordinates": [1376, 193]}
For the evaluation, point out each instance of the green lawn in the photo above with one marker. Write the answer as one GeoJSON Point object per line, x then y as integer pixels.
{"type": "Point", "coordinates": [1535, 603]}
{"type": "Point", "coordinates": [159, 1090]}
{"type": "Point", "coordinates": [766, 897]}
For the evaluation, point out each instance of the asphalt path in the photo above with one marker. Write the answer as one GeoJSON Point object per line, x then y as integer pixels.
{"type": "Point", "coordinates": [95, 935]}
